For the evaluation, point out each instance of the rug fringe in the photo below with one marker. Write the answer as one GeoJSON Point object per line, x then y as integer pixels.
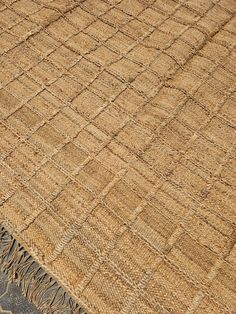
{"type": "Point", "coordinates": [36, 285]}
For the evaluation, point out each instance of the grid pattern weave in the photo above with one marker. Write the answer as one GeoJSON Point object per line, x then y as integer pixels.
{"type": "Point", "coordinates": [117, 142]}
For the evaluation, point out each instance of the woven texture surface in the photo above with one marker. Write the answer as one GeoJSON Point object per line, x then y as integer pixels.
{"type": "Point", "coordinates": [117, 140]}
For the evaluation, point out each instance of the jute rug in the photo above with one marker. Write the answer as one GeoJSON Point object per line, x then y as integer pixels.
{"type": "Point", "coordinates": [117, 138]}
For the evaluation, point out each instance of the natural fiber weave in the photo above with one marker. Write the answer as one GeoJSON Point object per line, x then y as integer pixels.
{"type": "Point", "coordinates": [117, 140]}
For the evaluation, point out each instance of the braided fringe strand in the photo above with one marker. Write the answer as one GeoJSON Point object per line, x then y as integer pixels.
{"type": "Point", "coordinates": [36, 285]}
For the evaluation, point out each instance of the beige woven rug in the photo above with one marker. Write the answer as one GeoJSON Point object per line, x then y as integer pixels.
{"type": "Point", "coordinates": [118, 169]}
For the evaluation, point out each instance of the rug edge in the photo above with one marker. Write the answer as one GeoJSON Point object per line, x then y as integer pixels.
{"type": "Point", "coordinates": [37, 284]}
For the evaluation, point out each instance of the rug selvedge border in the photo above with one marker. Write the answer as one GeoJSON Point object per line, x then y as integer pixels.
{"type": "Point", "coordinates": [36, 284]}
